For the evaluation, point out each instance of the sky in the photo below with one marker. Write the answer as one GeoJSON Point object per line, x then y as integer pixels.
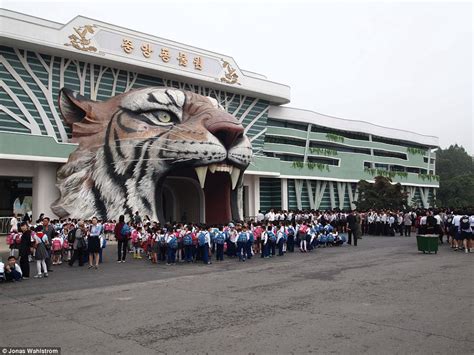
{"type": "Point", "coordinates": [402, 64]}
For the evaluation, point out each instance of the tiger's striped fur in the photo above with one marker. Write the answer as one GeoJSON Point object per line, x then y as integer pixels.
{"type": "Point", "coordinates": [129, 142]}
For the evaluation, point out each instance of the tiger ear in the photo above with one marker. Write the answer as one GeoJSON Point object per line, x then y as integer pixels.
{"type": "Point", "coordinates": [74, 107]}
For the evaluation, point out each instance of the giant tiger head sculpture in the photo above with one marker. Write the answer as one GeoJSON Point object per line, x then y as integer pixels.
{"type": "Point", "coordinates": [129, 145]}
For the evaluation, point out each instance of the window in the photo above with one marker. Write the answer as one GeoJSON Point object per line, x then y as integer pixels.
{"type": "Point", "coordinates": [339, 147]}
{"type": "Point", "coordinates": [385, 153]}
{"type": "Point", "coordinates": [289, 157]}
{"type": "Point", "coordinates": [350, 135]}
{"type": "Point", "coordinates": [284, 140]}
{"type": "Point", "coordinates": [381, 166]}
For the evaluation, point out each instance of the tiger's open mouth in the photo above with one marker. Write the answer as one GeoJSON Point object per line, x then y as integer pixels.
{"type": "Point", "coordinates": [218, 182]}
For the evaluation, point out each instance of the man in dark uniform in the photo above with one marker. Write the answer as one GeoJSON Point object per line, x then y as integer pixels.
{"type": "Point", "coordinates": [351, 220]}
{"type": "Point", "coordinates": [25, 250]}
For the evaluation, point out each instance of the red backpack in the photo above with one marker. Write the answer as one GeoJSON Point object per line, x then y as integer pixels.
{"type": "Point", "coordinates": [56, 245]}
{"type": "Point", "coordinates": [11, 239]}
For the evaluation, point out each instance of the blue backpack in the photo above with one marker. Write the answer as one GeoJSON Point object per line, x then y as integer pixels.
{"type": "Point", "coordinates": [202, 239]}
{"type": "Point", "coordinates": [187, 239]}
{"type": "Point", "coordinates": [291, 231]}
{"type": "Point", "coordinates": [220, 238]}
{"type": "Point", "coordinates": [125, 231]}
{"type": "Point", "coordinates": [173, 243]}
{"type": "Point", "coordinates": [242, 237]}
{"type": "Point", "coordinates": [251, 237]}
{"type": "Point", "coordinates": [271, 237]}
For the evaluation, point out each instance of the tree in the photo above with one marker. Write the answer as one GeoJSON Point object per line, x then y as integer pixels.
{"type": "Point", "coordinates": [381, 194]}
{"type": "Point", "coordinates": [456, 170]}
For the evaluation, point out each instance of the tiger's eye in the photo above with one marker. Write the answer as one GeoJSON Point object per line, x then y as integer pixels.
{"type": "Point", "coordinates": [164, 117]}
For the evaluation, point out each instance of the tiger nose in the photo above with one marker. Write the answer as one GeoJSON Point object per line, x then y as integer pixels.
{"type": "Point", "coordinates": [225, 127]}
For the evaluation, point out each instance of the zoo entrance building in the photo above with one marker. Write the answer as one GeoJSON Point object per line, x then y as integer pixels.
{"type": "Point", "coordinates": [302, 159]}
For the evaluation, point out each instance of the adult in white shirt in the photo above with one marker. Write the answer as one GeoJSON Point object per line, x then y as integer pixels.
{"type": "Point", "coordinates": [270, 216]}
{"type": "Point", "coordinates": [13, 224]}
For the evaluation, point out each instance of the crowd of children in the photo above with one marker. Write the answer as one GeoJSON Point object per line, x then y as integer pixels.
{"type": "Point", "coordinates": [267, 236]}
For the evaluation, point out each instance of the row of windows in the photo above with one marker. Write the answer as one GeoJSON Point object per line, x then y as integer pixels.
{"type": "Point", "coordinates": [350, 135]}
{"type": "Point", "coordinates": [396, 168]}
{"type": "Point", "coordinates": [289, 157]}
{"type": "Point", "coordinates": [334, 146]}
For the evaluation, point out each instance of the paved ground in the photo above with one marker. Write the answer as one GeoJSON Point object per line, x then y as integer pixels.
{"type": "Point", "coordinates": [382, 297]}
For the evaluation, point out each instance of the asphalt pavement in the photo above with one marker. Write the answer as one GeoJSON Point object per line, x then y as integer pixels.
{"type": "Point", "coordinates": [382, 297]}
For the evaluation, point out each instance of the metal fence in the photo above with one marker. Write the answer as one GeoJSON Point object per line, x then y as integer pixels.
{"type": "Point", "coordinates": [5, 225]}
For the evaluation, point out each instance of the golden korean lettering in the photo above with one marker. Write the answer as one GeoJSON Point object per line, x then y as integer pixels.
{"type": "Point", "coordinates": [183, 61]}
{"type": "Point", "coordinates": [146, 50]}
{"type": "Point", "coordinates": [165, 55]}
{"type": "Point", "coordinates": [127, 45]}
{"type": "Point", "coordinates": [197, 63]}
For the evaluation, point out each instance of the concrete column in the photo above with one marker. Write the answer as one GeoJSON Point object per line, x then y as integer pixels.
{"type": "Point", "coordinates": [249, 181]}
{"type": "Point", "coordinates": [284, 194]}
{"type": "Point", "coordinates": [256, 193]}
{"type": "Point", "coordinates": [44, 189]}
{"type": "Point", "coordinates": [331, 194]}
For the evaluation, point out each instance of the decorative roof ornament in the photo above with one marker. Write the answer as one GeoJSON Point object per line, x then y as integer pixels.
{"type": "Point", "coordinates": [79, 39]}
{"type": "Point", "coordinates": [230, 75]}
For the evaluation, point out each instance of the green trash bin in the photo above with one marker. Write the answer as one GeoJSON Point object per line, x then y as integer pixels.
{"type": "Point", "coordinates": [427, 243]}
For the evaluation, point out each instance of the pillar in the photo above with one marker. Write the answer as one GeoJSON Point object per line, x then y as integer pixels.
{"type": "Point", "coordinates": [45, 191]}
{"type": "Point", "coordinates": [284, 194]}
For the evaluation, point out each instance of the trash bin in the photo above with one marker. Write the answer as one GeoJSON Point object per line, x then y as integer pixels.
{"type": "Point", "coordinates": [427, 243]}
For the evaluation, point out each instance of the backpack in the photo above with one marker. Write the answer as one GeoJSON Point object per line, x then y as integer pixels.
{"type": "Point", "coordinates": [202, 239]}
{"type": "Point", "coordinates": [173, 243]}
{"type": "Point", "coordinates": [271, 237]}
{"type": "Point", "coordinates": [251, 237]}
{"type": "Point", "coordinates": [304, 229]}
{"type": "Point", "coordinates": [449, 221]}
{"type": "Point", "coordinates": [71, 236]}
{"type": "Point", "coordinates": [11, 239]}
{"type": "Point", "coordinates": [290, 231]}
{"type": "Point", "coordinates": [464, 223]}
{"type": "Point", "coordinates": [188, 239]}
{"type": "Point", "coordinates": [220, 238]}
{"type": "Point", "coordinates": [242, 237]}
{"type": "Point", "coordinates": [125, 231]}
{"type": "Point", "coordinates": [65, 244]}
{"type": "Point", "coordinates": [56, 245]}
{"type": "Point", "coordinates": [431, 221]}
{"type": "Point", "coordinates": [162, 240]}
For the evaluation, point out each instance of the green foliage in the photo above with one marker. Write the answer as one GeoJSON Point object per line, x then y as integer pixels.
{"type": "Point", "coordinates": [429, 177]}
{"type": "Point", "coordinates": [298, 164]}
{"type": "Point", "coordinates": [386, 173]}
{"type": "Point", "coordinates": [335, 137]}
{"type": "Point", "coordinates": [310, 165]}
{"type": "Point", "coordinates": [381, 194]}
{"type": "Point", "coordinates": [456, 170]}
{"type": "Point", "coordinates": [416, 151]}
{"type": "Point", "coordinates": [323, 151]}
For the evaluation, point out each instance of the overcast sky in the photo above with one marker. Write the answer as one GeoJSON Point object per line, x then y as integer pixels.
{"type": "Point", "coordinates": [398, 64]}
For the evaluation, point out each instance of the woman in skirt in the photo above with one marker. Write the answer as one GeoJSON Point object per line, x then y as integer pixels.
{"type": "Point", "coordinates": [93, 245]}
